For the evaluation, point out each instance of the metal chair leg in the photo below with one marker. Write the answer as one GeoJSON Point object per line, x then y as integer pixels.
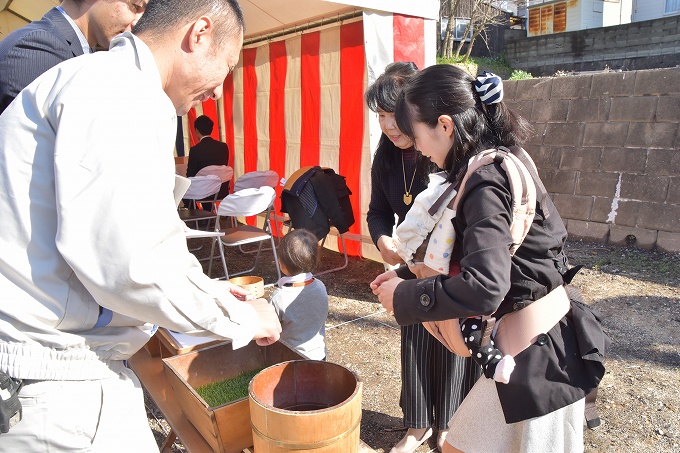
{"type": "Point", "coordinates": [212, 254]}
{"type": "Point", "coordinates": [271, 231]}
{"type": "Point", "coordinates": [276, 259]}
{"type": "Point", "coordinates": [344, 249]}
{"type": "Point", "coordinates": [224, 260]}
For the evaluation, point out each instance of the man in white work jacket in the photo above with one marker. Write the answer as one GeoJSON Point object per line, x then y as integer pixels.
{"type": "Point", "coordinates": [83, 281]}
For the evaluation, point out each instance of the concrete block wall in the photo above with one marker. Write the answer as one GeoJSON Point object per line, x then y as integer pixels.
{"type": "Point", "coordinates": [638, 45]}
{"type": "Point", "coordinates": [607, 147]}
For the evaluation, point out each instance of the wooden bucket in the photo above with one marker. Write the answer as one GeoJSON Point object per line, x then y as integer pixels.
{"type": "Point", "coordinates": [305, 406]}
{"type": "Point", "coordinates": [254, 285]}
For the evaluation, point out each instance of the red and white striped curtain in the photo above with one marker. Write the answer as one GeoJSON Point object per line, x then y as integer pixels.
{"type": "Point", "coordinates": [299, 101]}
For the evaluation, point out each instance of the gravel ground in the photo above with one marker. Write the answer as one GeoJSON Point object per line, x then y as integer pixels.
{"type": "Point", "coordinates": [636, 291]}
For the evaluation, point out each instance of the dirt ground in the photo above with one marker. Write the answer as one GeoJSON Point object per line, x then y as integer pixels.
{"type": "Point", "coordinates": [636, 291]}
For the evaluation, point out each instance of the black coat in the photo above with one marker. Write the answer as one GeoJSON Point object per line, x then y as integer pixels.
{"type": "Point", "coordinates": [550, 375]}
{"type": "Point", "coordinates": [316, 199]}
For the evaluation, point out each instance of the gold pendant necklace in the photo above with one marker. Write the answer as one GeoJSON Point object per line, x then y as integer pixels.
{"type": "Point", "coordinates": [408, 198]}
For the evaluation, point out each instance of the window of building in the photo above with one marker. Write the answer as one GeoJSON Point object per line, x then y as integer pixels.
{"type": "Point", "coordinates": [458, 28]}
{"type": "Point", "coordinates": [548, 19]}
{"type": "Point", "coordinates": [672, 6]}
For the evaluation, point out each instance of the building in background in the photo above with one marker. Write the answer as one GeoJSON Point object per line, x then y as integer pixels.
{"type": "Point", "coordinates": [654, 9]}
{"type": "Point", "coordinates": [547, 17]}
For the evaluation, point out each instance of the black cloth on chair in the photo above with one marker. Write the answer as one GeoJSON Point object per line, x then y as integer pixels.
{"type": "Point", "coordinates": [317, 198]}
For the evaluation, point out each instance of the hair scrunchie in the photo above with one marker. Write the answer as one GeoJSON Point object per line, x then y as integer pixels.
{"type": "Point", "coordinates": [489, 87]}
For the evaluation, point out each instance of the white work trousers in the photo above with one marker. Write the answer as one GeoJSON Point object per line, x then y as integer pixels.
{"type": "Point", "coordinates": [105, 415]}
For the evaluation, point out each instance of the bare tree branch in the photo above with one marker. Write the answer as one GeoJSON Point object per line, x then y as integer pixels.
{"type": "Point", "coordinates": [483, 13]}
{"type": "Point", "coordinates": [447, 43]}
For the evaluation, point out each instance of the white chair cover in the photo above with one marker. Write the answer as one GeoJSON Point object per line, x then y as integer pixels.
{"type": "Point", "coordinates": [203, 186]}
{"type": "Point", "coordinates": [268, 178]}
{"type": "Point", "coordinates": [247, 202]}
{"type": "Point", "coordinates": [225, 172]}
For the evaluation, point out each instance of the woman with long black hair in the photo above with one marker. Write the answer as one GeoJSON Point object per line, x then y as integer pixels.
{"type": "Point", "coordinates": [556, 341]}
{"type": "Point", "coordinates": [434, 380]}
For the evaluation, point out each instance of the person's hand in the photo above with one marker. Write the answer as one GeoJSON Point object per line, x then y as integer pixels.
{"type": "Point", "coordinates": [383, 286]}
{"type": "Point", "coordinates": [388, 250]}
{"type": "Point", "coordinates": [269, 329]}
{"type": "Point", "coordinates": [382, 278]}
{"type": "Point", "coordinates": [237, 291]}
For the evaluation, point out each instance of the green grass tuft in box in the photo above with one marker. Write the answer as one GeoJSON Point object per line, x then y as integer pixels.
{"type": "Point", "coordinates": [227, 390]}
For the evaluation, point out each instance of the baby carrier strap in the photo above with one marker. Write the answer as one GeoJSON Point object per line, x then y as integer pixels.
{"type": "Point", "coordinates": [523, 197]}
{"type": "Point", "coordinates": [437, 204]}
{"type": "Point", "coordinates": [520, 169]}
{"type": "Point", "coordinates": [542, 193]}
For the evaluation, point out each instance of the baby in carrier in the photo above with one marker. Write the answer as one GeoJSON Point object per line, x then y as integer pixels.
{"type": "Point", "coordinates": [425, 241]}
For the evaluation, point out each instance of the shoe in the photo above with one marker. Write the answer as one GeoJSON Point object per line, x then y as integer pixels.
{"type": "Point", "coordinates": [441, 438]}
{"type": "Point", "coordinates": [413, 439]}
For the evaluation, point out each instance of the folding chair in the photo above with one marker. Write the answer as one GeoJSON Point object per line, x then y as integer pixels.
{"type": "Point", "coordinates": [225, 173]}
{"type": "Point", "coordinates": [260, 178]}
{"type": "Point", "coordinates": [201, 187]}
{"type": "Point", "coordinates": [245, 203]}
{"type": "Point", "coordinates": [182, 184]}
{"type": "Point", "coordinates": [344, 250]}
{"type": "Point", "coordinates": [255, 179]}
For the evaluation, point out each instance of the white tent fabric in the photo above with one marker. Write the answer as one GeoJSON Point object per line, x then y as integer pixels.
{"type": "Point", "coordinates": [17, 13]}
{"type": "Point", "coordinates": [262, 16]}
{"type": "Point", "coordinates": [298, 100]}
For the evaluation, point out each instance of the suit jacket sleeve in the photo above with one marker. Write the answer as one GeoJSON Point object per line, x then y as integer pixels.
{"type": "Point", "coordinates": [32, 51]}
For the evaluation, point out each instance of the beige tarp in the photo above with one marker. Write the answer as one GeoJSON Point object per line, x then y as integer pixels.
{"type": "Point", "coordinates": [262, 16]}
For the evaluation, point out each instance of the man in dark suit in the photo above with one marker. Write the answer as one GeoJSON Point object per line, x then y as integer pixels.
{"type": "Point", "coordinates": [207, 151]}
{"type": "Point", "coordinates": [66, 31]}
